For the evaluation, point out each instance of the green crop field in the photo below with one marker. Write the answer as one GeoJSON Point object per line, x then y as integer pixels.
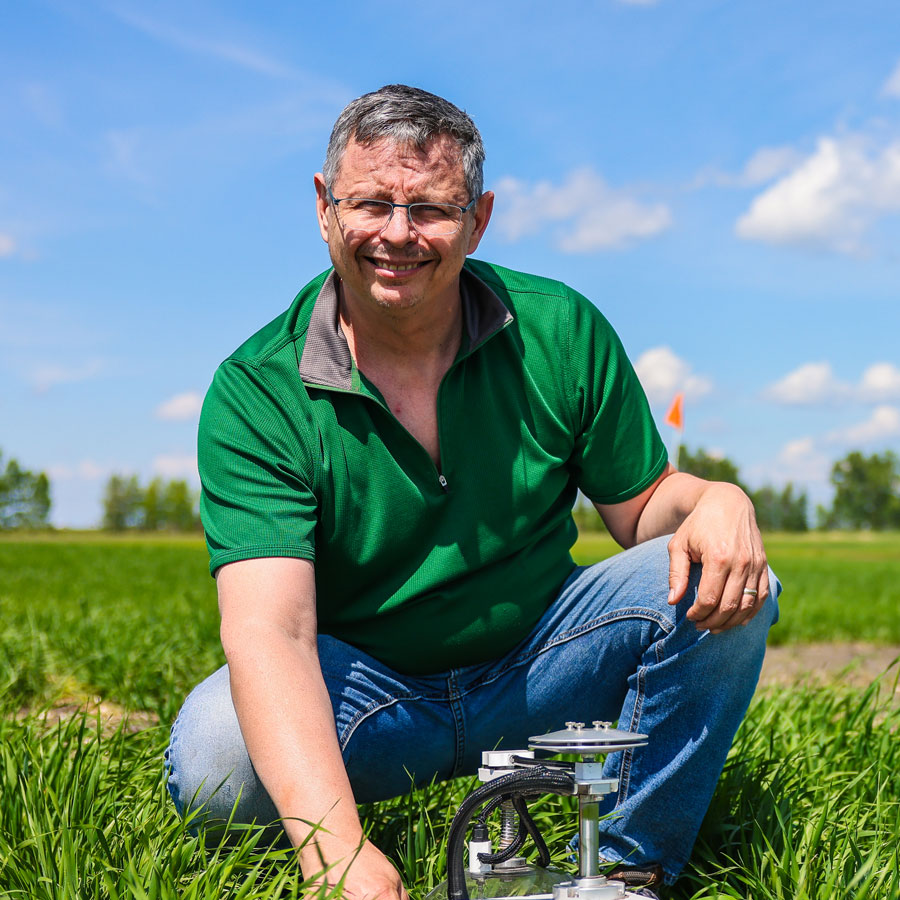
{"type": "Point", "coordinates": [807, 809]}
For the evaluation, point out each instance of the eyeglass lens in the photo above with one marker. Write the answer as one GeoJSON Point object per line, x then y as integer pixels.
{"type": "Point", "coordinates": [426, 218]}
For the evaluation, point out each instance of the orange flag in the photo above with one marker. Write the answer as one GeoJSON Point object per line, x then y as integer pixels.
{"type": "Point", "coordinates": [675, 415]}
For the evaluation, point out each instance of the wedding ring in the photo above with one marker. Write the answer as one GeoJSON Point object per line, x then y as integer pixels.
{"type": "Point", "coordinates": [751, 592]}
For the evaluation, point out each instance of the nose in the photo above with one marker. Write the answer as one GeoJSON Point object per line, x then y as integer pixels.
{"type": "Point", "coordinates": [398, 230]}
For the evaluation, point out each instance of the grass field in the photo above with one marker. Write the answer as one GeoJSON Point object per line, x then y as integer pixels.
{"type": "Point", "coordinates": [808, 807]}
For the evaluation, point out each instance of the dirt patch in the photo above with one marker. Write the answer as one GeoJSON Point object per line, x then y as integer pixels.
{"type": "Point", "coordinates": [111, 715]}
{"type": "Point", "coordinates": [853, 664]}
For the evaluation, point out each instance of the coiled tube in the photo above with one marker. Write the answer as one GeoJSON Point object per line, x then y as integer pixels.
{"type": "Point", "coordinates": [515, 786]}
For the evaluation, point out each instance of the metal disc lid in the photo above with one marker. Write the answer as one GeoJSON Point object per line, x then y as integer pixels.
{"type": "Point", "coordinates": [601, 737]}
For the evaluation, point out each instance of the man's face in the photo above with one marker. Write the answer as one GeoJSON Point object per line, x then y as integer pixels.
{"type": "Point", "coordinates": [397, 268]}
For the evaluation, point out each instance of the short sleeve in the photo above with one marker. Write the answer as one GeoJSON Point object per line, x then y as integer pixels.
{"type": "Point", "coordinates": [255, 471]}
{"type": "Point", "coordinates": [618, 450]}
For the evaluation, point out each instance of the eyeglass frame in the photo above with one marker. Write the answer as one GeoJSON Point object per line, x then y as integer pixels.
{"type": "Point", "coordinates": [407, 206]}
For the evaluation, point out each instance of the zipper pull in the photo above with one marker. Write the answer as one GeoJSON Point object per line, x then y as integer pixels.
{"type": "Point", "coordinates": [443, 483]}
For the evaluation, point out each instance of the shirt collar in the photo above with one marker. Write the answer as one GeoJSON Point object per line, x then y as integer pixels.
{"type": "Point", "coordinates": [326, 358]}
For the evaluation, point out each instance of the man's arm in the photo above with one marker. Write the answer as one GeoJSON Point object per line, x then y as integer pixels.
{"type": "Point", "coordinates": [713, 523]}
{"type": "Point", "coordinates": [268, 633]}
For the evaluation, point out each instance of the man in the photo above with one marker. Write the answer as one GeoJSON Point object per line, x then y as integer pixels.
{"type": "Point", "coordinates": [388, 474]}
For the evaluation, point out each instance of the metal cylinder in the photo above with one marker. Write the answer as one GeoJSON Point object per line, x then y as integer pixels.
{"type": "Point", "coordinates": [589, 837]}
{"type": "Point", "coordinates": [509, 823]}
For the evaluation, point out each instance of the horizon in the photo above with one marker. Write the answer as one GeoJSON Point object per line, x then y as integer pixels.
{"type": "Point", "coordinates": [721, 179]}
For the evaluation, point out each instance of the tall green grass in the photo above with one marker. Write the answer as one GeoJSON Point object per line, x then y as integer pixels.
{"type": "Point", "coordinates": [808, 807]}
{"type": "Point", "coordinates": [837, 586]}
{"type": "Point", "coordinates": [133, 622]}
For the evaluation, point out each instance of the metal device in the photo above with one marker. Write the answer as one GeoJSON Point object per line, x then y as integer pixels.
{"type": "Point", "coordinates": [511, 777]}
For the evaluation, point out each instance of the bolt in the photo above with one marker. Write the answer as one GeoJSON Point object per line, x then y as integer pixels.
{"type": "Point", "coordinates": [574, 726]}
{"type": "Point", "coordinates": [603, 725]}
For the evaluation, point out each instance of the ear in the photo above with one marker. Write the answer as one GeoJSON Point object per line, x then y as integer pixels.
{"type": "Point", "coordinates": [323, 206]}
{"type": "Point", "coordinates": [483, 209]}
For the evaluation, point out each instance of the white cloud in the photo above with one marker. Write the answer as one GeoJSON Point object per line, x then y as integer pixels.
{"type": "Point", "coordinates": [224, 49]}
{"type": "Point", "coordinates": [883, 423]}
{"type": "Point", "coordinates": [809, 385]}
{"type": "Point", "coordinates": [593, 216]}
{"type": "Point", "coordinates": [767, 163]}
{"type": "Point", "coordinates": [44, 377]}
{"type": "Point", "coordinates": [815, 384]}
{"type": "Point", "coordinates": [880, 381]}
{"type": "Point", "coordinates": [662, 374]}
{"type": "Point", "coordinates": [892, 85]}
{"type": "Point", "coordinates": [7, 245]}
{"type": "Point", "coordinates": [800, 462]}
{"type": "Point", "coordinates": [181, 407]}
{"type": "Point", "coordinates": [176, 465]}
{"type": "Point", "coordinates": [831, 199]}
{"type": "Point", "coordinates": [86, 470]}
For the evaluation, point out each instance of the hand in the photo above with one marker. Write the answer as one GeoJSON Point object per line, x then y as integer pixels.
{"type": "Point", "coordinates": [720, 533]}
{"type": "Point", "coordinates": [368, 874]}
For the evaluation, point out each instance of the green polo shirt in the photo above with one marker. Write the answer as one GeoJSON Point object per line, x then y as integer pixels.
{"type": "Point", "coordinates": [300, 456]}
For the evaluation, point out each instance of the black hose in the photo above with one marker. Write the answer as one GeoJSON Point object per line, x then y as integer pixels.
{"type": "Point", "coordinates": [512, 847]}
{"type": "Point", "coordinates": [546, 763]}
{"type": "Point", "coordinates": [536, 780]}
{"type": "Point", "coordinates": [528, 823]}
{"type": "Point", "coordinates": [489, 808]}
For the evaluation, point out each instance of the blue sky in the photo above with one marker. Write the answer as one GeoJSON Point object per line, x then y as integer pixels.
{"type": "Point", "coordinates": [721, 178]}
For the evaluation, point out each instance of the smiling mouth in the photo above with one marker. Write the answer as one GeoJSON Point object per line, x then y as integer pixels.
{"type": "Point", "coordinates": [397, 267]}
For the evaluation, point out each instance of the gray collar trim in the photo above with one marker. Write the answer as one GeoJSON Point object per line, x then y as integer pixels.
{"type": "Point", "coordinates": [326, 357]}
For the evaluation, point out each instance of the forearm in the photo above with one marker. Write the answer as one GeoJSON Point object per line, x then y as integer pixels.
{"type": "Point", "coordinates": [677, 496]}
{"type": "Point", "coordinates": [287, 722]}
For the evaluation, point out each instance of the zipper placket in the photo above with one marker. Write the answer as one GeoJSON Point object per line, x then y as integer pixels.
{"type": "Point", "coordinates": [441, 478]}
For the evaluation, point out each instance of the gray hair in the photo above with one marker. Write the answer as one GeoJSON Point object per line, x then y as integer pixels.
{"type": "Point", "coordinates": [411, 116]}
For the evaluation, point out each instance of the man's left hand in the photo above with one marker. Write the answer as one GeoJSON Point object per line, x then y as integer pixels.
{"type": "Point", "coordinates": [721, 533]}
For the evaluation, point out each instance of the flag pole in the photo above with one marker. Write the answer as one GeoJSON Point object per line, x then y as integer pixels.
{"type": "Point", "coordinates": [675, 418]}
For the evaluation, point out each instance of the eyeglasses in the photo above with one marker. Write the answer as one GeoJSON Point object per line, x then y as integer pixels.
{"type": "Point", "coordinates": [428, 219]}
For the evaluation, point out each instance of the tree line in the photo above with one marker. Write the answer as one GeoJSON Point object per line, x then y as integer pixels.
{"type": "Point", "coordinates": [24, 497]}
{"type": "Point", "coordinates": [157, 506]}
{"type": "Point", "coordinates": [866, 494]}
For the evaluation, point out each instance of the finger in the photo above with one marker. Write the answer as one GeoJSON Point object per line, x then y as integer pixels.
{"type": "Point", "coordinates": [747, 605]}
{"type": "Point", "coordinates": [709, 593]}
{"type": "Point", "coordinates": [755, 604]}
{"type": "Point", "coordinates": [727, 611]}
{"type": "Point", "coordinates": [679, 570]}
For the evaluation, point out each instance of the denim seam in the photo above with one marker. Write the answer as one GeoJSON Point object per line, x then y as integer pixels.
{"type": "Point", "coordinates": [454, 696]}
{"type": "Point", "coordinates": [566, 636]}
{"type": "Point", "coordinates": [628, 755]}
{"type": "Point", "coordinates": [371, 709]}
{"type": "Point", "coordinates": [169, 765]}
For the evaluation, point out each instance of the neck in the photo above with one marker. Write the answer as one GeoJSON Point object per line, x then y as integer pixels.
{"type": "Point", "coordinates": [405, 338]}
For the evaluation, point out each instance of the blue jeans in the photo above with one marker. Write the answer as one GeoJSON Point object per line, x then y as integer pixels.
{"type": "Point", "coordinates": [609, 648]}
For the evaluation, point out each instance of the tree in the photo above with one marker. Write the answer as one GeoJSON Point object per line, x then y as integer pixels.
{"type": "Point", "coordinates": [122, 503]}
{"type": "Point", "coordinates": [775, 510]}
{"type": "Point", "coordinates": [24, 497]}
{"type": "Point", "coordinates": [780, 511]}
{"type": "Point", "coordinates": [152, 506]}
{"type": "Point", "coordinates": [867, 492]}
{"type": "Point", "coordinates": [161, 505]}
{"type": "Point", "coordinates": [180, 507]}
{"type": "Point", "coordinates": [712, 468]}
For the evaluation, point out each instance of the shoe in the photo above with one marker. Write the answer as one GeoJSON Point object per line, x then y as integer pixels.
{"type": "Point", "coordinates": [636, 876]}
{"type": "Point", "coordinates": [638, 879]}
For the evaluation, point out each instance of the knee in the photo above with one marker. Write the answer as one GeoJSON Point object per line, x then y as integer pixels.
{"type": "Point", "coordinates": [208, 770]}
